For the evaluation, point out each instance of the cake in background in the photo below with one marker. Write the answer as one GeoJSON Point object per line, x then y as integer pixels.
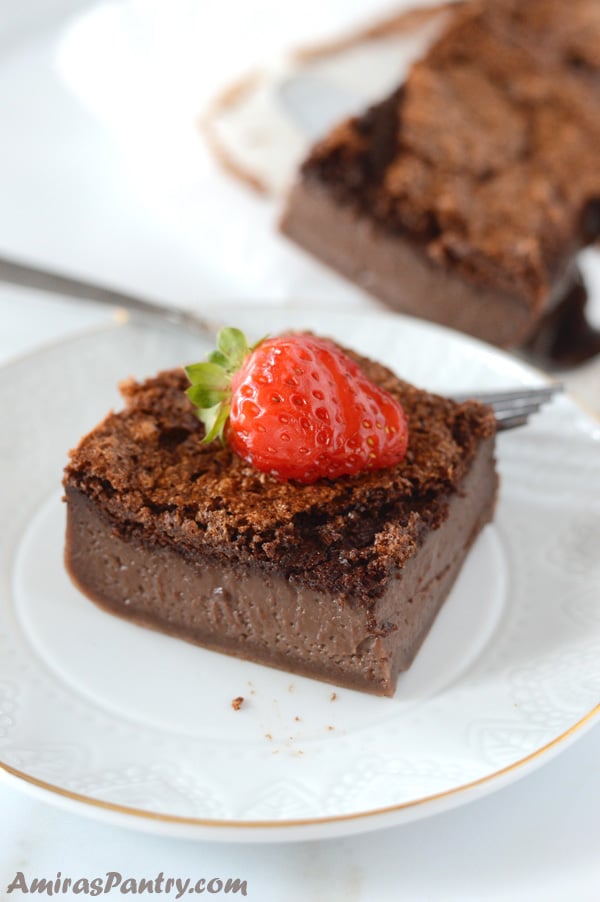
{"type": "Point", "coordinates": [464, 196]}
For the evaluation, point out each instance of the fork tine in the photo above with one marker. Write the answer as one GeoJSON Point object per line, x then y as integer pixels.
{"type": "Point", "coordinates": [511, 422]}
{"type": "Point", "coordinates": [512, 413]}
{"type": "Point", "coordinates": [542, 393]}
{"type": "Point", "coordinates": [518, 404]}
{"type": "Point", "coordinates": [509, 410]}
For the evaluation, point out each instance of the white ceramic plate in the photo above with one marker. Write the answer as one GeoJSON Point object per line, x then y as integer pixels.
{"type": "Point", "coordinates": [134, 727]}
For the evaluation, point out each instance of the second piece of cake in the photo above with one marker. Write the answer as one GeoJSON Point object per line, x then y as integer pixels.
{"type": "Point", "coordinates": [464, 196]}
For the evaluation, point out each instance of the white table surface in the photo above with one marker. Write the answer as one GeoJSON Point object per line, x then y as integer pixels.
{"type": "Point", "coordinates": [78, 191]}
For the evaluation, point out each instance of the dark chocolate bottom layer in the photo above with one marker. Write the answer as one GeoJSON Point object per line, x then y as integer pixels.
{"type": "Point", "coordinates": [266, 618]}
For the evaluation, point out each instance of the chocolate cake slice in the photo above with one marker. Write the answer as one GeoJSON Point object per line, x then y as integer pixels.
{"type": "Point", "coordinates": [464, 197]}
{"type": "Point", "coordinates": [339, 580]}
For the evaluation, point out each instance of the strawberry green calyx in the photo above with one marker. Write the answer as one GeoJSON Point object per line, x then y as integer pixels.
{"type": "Point", "coordinates": [210, 390]}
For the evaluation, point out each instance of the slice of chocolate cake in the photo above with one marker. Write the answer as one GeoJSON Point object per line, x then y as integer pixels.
{"type": "Point", "coordinates": [464, 197]}
{"type": "Point", "coordinates": [340, 579]}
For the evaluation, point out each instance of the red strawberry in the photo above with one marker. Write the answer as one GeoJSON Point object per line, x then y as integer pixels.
{"type": "Point", "coordinates": [297, 407]}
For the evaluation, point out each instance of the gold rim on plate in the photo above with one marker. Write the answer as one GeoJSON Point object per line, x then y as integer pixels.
{"type": "Point", "coordinates": [182, 820]}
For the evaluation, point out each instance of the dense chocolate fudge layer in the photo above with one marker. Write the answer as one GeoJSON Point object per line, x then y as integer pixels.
{"type": "Point", "coordinates": [340, 579]}
{"type": "Point", "coordinates": [464, 196]}
{"type": "Point", "coordinates": [264, 617]}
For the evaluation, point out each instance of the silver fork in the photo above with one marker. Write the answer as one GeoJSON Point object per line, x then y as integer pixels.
{"type": "Point", "coordinates": [511, 407]}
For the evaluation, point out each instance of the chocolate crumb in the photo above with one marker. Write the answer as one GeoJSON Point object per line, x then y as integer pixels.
{"type": "Point", "coordinates": [237, 703]}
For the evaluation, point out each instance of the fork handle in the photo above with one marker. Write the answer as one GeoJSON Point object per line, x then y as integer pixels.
{"type": "Point", "coordinates": [14, 272]}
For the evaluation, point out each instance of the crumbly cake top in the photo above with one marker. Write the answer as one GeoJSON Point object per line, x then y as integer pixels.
{"type": "Point", "coordinates": [487, 156]}
{"type": "Point", "coordinates": [147, 469]}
